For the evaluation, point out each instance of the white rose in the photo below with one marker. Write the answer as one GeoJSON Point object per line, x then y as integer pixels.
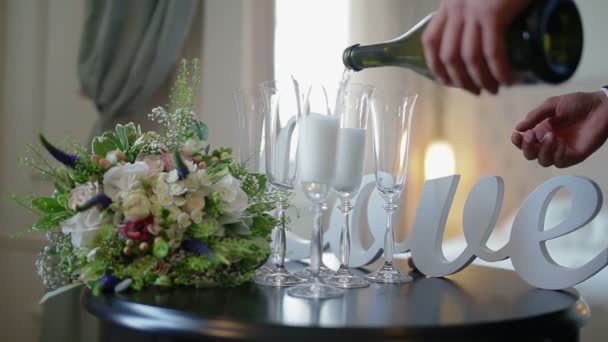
{"type": "Point", "coordinates": [172, 176]}
{"type": "Point", "coordinates": [183, 220]}
{"type": "Point", "coordinates": [193, 146]}
{"type": "Point", "coordinates": [83, 227]}
{"type": "Point", "coordinates": [197, 216]}
{"type": "Point", "coordinates": [179, 201]}
{"type": "Point", "coordinates": [177, 189]}
{"type": "Point", "coordinates": [81, 194]}
{"type": "Point", "coordinates": [238, 204]}
{"type": "Point", "coordinates": [191, 182]}
{"type": "Point", "coordinates": [227, 188]}
{"type": "Point", "coordinates": [160, 187]}
{"type": "Point", "coordinates": [173, 212]}
{"type": "Point", "coordinates": [204, 182]}
{"type": "Point", "coordinates": [136, 206]}
{"type": "Point", "coordinates": [155, 228]}
{"type": "Point", "coordinates": [164, 199]}
{"type": "Point", "coordinates": [195, 201]}
{"type": "Point", "coordinates": [203, 178]}
{"type": "Point", "coordinates": [123, 177]}
{"type": "Point", "coordinates": [155, 208]}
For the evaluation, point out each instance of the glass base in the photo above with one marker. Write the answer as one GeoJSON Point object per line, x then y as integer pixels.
{"type": "Point", "coordinates": [277, 277]}
{"type": "Point", "coordinates": [346, 280]}
{"type": "Point", "coordinates": [315, 290]}
{"type": "Point", "coordinates": [388, 274]}
{"type": "Point", "coordinates": [263, 271]}
{"type": "Point", "coordinates": [324, 272]}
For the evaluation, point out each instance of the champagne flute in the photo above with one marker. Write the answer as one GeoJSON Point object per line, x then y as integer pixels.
{"type": "Point", "coordinates": [316, 155]}
{"type": "Point", "coordinates": [281, 105]}
{"type": "Point", "coordinates": [353, 114]}
{"type": "Point", "coordinates": [250, 123]}
{"type": "Point", "coordinates": [391, 121]}
{"type": "Point", "coordinates": [317, 103]}
{"type": "Point", "coordinates": [250, 128]}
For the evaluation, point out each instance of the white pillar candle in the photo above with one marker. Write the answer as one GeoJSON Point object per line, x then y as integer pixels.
{"type": "Point", "coordinates": [350, 157]}
{"type": "Point", "coordinates": [317, 148]}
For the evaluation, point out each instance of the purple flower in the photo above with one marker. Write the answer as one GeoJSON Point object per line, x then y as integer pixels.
{"type": "Point", "coordinates": [101, 200]}
{"type": "Point", "coordinates": [107, 283]}
{"type": "Point", "coordinates": [182, 169]}
{"type": "Point", "coordinates": [196, 247]}
{"type": "Point", "coordinates": [66, 159]}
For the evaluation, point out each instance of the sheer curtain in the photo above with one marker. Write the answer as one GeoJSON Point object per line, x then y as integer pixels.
{"type": "Point", "coordinates": [127, 51]}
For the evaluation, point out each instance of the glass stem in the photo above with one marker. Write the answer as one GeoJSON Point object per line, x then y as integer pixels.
{"type": "Point", "coordinates": [280, 244]}
{"type": "Point", "coordinates": [316, 249]}
{"type": "Point", "coordinates": [345, 208]}
{"type": "Point", "coordinates": [389, 237]}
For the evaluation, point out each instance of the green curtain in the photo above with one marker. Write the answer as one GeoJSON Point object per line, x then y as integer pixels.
{"type": "Point", "coordinates": [127, 51]}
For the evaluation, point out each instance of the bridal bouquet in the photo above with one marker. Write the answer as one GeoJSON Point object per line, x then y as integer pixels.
{"type": "Point", "coordinates": [151, 209]}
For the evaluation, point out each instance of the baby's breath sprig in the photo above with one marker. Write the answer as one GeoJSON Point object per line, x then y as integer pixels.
{"type": "Point", "coordinates": [178, 118]}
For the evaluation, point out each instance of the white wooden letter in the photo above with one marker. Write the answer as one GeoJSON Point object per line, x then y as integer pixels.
{"type": "Point", "coordinates": [528, 251]}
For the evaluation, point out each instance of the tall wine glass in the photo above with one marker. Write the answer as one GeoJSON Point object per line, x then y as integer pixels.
{"type": "Point", "coordinates": [318, 103]}
{"type": "Point", "coordinates": [250, 123]}
{"type": "Point", "coordinates": [281, 105]}
{"type": "Point", "coordinates": [250, 128]}
{"type": "Point", "coordinates": [391, 121]}
{"type": "Point", "coordinates": [316, 157]}
{"type": "Point", "coordinates": [353, 114]}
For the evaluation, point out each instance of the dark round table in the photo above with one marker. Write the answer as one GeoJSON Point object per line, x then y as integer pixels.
{"type": "Point", "coordinates": [477, 304]}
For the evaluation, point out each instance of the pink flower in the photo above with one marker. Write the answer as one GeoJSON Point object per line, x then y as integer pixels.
{"type": "Point", "coordinates": [155, 164]}
{"type": "Point", "coordinates": [137, 230]}
{"type": "Point", "coordinates": [167, 159]}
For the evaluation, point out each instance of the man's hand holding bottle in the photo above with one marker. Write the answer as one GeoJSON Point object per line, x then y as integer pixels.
{"type": "Point", "coordinates": [465, 45]}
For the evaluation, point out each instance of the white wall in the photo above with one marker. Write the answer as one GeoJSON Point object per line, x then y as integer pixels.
{"type": "Point", "coordinates": [237, 53]}
{"type": "Point", "coordinates": [39, 94]}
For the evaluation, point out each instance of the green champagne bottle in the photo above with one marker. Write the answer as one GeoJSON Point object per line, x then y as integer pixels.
{"type": "Point", "coordinates": [544, 44]}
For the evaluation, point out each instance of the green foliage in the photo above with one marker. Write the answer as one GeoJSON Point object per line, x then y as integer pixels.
{"type": "Point", "coordinates": [161, 249]}
{"type": "Point", "coordinates": [204, 230]}
{"type": "Point", "coordinates": [238, 250]}
{"type": "Point", "coordinates": [200, 263]}
{"type": "Point", "coordinates": [70, 262]}
{"type": "Point", "coordinates": [214, 205]}
{"type": "Point", "coordinates": [163, 281]}
{"type": "Point", "coordinates": [123, 138]}
{"type": "Point", "coordinates": [254, 184]}
{"type": "Point", "coordinates": [48, 205]}
{"type": "Point", "coordinates": [105, 143]}
{"type": "Point", "coordinates": [110, 245]}
{"type": "Point", "coordinates": [200, 130]}
{"type": "Point", "coordinates": [140, 270]}
{"type": "Point", "coordinates": [185, 90]}
{"type": "Point", "coordinates": [263, 225]}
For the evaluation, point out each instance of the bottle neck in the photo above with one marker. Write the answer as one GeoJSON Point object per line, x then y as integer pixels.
{"type": "Point", "coordinates": [359, 57]}
{"type": "Point", "coordinates": [544, 45]}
